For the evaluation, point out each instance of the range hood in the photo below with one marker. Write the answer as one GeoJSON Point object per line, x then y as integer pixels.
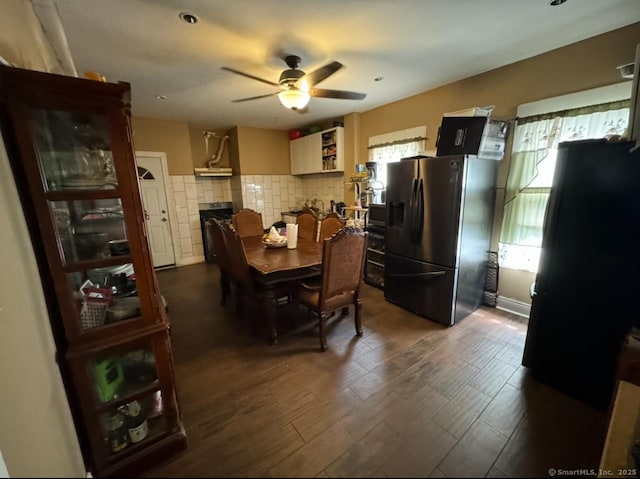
{"type": "Point", "coordinates": [212, 171]}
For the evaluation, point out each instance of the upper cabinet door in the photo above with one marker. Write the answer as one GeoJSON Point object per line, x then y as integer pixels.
{"type": "Point", "coordinates": [321, 152]}
{"type": "Point", "coordinates": [76, 158]}
{"type": "Point", "coordinates": [73, 150]}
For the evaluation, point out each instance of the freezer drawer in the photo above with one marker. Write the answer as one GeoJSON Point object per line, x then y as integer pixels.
{"type": "Point", "coordinates": [423, 288]}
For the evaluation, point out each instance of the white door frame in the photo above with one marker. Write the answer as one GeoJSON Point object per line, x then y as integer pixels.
{"type": "Point", "coordinates": [173, 217]}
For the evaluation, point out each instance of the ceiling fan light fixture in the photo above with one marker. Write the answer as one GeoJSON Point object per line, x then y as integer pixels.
{"type": "Point", "coordinates": [294, 98]}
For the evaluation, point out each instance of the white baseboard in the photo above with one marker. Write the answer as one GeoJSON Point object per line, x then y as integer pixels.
{"type": "Point", "coordinates": [513, 306]}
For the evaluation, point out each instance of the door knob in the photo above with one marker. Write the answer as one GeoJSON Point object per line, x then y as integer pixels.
{"type": "Point", "coordinates": [146, 215]}
{"type": "Point", "coordinates": [164, 219]}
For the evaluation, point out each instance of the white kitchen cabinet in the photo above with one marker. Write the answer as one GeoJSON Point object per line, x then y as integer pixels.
{"type": "Point", "coordinates": [321, 152]}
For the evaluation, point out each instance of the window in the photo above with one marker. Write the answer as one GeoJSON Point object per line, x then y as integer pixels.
{"type": "Point", "coordinates": [531, 172]}
{"type": "Point", "coordinates": [392, 147]}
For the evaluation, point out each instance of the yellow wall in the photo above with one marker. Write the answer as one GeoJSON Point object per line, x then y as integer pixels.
{"type": "Point", "coordinates": [37, 435]}
{"type": "Point", "coordinates": [249, 151]}
{"type": "Point", "coordinates": [583, 65]}
{"type": "Point", "coordinates": [263, 152]}
{"type": "Point", "coordinates": [171, 137]}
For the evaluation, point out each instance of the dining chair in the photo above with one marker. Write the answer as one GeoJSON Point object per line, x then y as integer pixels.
{"type": "Point", "coordinates": [238, 266]}
{"type": "Point", "coordinates": [247, 222]}
{"type": "Point", "coordinates": [246, 284]}
{"type": "Point", "coordinates": [307, 222]}
{"type": "Point", "coordinates": [329, 225]}
{"type": "Point", "coordinates": [222, 258]}
{"type": "Point", "coordinates": [343, 258]}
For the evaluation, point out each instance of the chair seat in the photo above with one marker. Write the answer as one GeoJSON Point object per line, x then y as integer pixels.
{"type": "Point", "coordinates": [311, 298]}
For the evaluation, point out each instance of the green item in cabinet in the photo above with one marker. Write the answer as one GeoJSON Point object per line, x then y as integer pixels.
{"type": "Point", "coordinates": [108, 378]}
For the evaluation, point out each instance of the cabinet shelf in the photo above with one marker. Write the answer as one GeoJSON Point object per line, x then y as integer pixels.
{"type": "Point", "coordinates": [127, 397]}
{"type": "Point", "coordinates": [97, 263]}
{"type": "Point", "coordinates": [71, 195]}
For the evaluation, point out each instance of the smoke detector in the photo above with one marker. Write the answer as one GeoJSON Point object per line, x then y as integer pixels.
{"type": "Point", "coordinates": [626, 71]}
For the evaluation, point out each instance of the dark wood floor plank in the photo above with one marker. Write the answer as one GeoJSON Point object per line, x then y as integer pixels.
{"type": "Point", "coordinates": [505, 410]}
{"type": "Point", "coordinates": [312, 458]}
{"type": "Point", "coordinates": [475, 453]}
{"type": "Point", "coordinates": [419, 455]}
{"type": "Point", "coordinates": [492, 377]}
{"type": "Point", "coordinates": [462, 410]}
{"type": "Point", "coordinates": [408, 416]}
{"type": "Point", "coordinates": [368, 455]}
{"type": "Point", "coordinates": [410, 398]}
{"type": "Point", "coordinates": [450, 380]}
{"type": "Point", "coordinates": [327, 414]}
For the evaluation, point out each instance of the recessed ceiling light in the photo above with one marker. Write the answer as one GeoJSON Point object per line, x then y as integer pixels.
{"type": "Point", "coordinates": [378, 79]}
{"type": "Point", "coordinates": [188, 18]}
{"type": "Point", "coordinates": [161, 97]}
{"type": "Point", "coordinates": [554, 3]}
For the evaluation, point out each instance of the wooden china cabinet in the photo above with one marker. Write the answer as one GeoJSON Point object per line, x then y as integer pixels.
{"type": "Point", "coordinates": [70, 147]}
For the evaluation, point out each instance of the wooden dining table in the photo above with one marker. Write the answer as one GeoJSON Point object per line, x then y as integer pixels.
{"type": "Point", "coordinates": [279, 269]}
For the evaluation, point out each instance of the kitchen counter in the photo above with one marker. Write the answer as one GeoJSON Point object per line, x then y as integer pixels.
{"type": "Point", "coordinates": [295, 213]}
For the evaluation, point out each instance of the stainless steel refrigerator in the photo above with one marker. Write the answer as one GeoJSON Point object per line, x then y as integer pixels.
{"type": "Point", "coordinates": [439, 221]}
{"type": "Point", "coordinates": [586, 292]}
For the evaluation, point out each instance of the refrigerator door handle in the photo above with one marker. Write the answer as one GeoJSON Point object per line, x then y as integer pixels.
{"type": "Point", "coordinates": [420, 211]}
{"type": "Point", "coordinates": [412, 209]}
{"type": "Point", "coordinates": [416, 275]}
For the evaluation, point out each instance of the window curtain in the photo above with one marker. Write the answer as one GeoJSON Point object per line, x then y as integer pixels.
{"type": "Point", "coordinates": [393, 151]}
{"type": "Point", "coordinates": [527, 191]}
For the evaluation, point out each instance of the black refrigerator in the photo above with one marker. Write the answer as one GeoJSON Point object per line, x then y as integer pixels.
{"type": "Point", "coordinates": [439, 221]}
{"type": "Point", "coordinates": [587, 287]}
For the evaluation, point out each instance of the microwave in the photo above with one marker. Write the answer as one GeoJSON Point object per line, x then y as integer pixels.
{"type": "Point", "coordinates": [475, 135]}
{"type": "Point", "coordinates": [377, 215]}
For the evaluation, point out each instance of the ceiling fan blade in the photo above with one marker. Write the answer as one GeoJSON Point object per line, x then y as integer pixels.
{"type": "Point", "coordinates": [340, 94]}
{"type": "Point", "coordinates": [250, 76]}
{"type": "Point", "coordinates": [253, 97]}
{"type": "Point", "coordinates": [322, 73]}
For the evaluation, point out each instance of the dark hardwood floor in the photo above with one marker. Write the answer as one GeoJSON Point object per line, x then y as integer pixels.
{"type": "Point", "coordinates": [408, 399]}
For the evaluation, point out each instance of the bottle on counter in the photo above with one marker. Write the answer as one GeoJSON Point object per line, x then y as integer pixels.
{"type": "Point", "coordinates": [137, 425]}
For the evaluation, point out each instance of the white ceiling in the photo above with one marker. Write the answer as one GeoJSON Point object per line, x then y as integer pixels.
{"type": "Point", "coordinates": [415, 45]}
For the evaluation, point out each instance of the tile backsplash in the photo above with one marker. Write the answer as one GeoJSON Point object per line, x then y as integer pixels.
{"type": "Point", "coordinates": [273, 194]}
{"type": "Point", "coordinates": [268, 194]}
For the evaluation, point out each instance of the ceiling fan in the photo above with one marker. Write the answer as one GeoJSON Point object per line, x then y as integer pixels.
{"type": "Point", "coordinates": [297, 87]}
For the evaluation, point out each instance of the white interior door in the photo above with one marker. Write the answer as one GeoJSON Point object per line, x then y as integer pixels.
{"type": "Point", "coordinates": [154, 202]}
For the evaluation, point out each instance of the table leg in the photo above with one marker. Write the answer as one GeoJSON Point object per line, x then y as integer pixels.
{"type": "Point", "coordinates": [269, 302]}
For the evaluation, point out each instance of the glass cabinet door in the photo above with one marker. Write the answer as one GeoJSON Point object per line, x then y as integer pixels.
{"type": "Point", "coordinates": [86, 208]}
{"type": "Point", "coordinates": [73, 150]}
{"type": "Point", "coordinates": [128, 395]}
